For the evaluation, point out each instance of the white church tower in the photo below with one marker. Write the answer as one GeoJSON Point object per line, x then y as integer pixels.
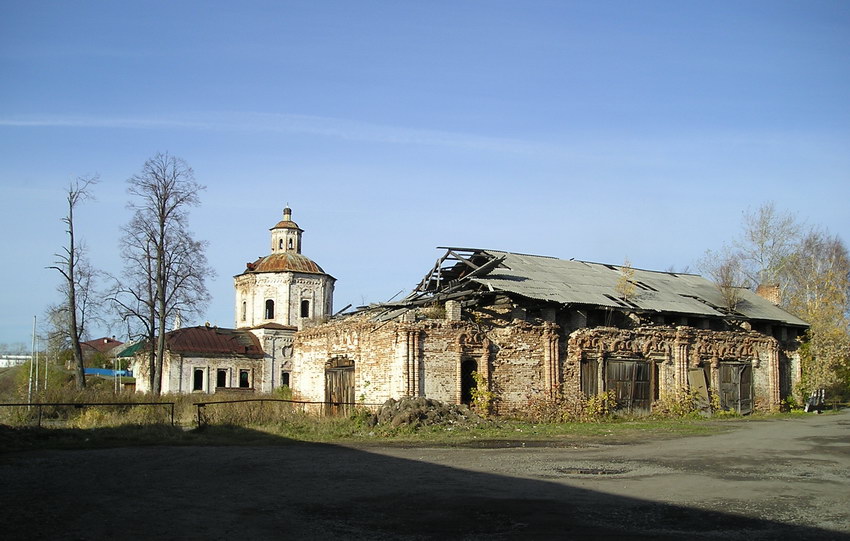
{"type": "Point", "coordinates": [283, 288]}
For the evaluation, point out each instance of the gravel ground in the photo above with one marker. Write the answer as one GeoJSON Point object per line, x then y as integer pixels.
{"type": "Point", "coordinates": [763, 480]}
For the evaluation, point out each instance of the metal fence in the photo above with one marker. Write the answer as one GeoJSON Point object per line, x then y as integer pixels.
{"type": "Point", "coordinates": [78, 405]}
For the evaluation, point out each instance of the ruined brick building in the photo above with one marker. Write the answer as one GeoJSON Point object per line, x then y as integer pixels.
{"type": "Point", "coordinates": [532, 325]}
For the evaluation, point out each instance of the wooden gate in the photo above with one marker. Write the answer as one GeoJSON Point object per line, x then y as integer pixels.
{"type": "Point", "coordinates": [736, 387]}
{"type": "Point", "coordinates": [631, 381]}
{"type": "Point", "coordinates": [339, 385]}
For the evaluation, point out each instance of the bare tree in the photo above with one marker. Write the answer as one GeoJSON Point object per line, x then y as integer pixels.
{"type": "Point", "coordinates": [71, 265]}
{"type": "Point", "coordinates": [89, 305]}
{"type": "Point", "coordinates": [768, 240]}
{"type": "Point", "coordinates": [625, 283]}
{"type": "Point", "coordinates": [725, 269]}
{"type": "Point", "coordinates": [165, 267]}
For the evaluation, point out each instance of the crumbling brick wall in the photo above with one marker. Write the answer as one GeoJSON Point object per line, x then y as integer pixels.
{"type": "Point", "coordinates": [676, 350]}
{"type": "Point", "coordinates": [423, 358]}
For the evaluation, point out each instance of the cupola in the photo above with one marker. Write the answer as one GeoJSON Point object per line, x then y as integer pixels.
{"type": "Point", "coordinates": [286, 235]}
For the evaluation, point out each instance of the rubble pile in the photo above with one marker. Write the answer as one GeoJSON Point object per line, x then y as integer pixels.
{"type": "Point", "coordinates": [422, 412]}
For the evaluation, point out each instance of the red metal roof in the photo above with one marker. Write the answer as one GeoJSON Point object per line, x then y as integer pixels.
{"type": "Point", "coordinates": [284, 261]}
{"type": "Point", "coordinates": [286, 224]}
{"type": "Point", "coordinates": [213, 341]}
{"type": "Point", "coordinates": [101, 345]}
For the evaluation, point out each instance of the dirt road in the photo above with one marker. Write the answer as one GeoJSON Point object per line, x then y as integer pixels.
{"type": "Point", "coordinates": [764, 480]}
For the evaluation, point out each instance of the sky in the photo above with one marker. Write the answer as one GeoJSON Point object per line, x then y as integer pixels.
{"type": "Point", "coordinates": [597, 130]}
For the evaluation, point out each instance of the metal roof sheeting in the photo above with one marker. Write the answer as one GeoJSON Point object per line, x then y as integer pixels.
{"type": "Point", "coordinates": [581, 282]}
{"type": "Point", "coordinates": [284, 262]}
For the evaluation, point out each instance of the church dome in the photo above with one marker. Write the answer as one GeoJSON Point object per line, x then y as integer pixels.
{"type": "Point", "coordinates": [284, 261]}
{"type": "Point", "coordinates": [287, 222]}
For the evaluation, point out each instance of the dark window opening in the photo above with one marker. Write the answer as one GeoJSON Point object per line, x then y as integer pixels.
{"type": "Point", "coordinates": [305, 308]}
{"type": "Point", "coordinates": [244, 379]}
{"type": "Point", "coordinates": [244, 310]}
{"type": "Point", "coordinates": [221, 378]}
{"type": "Point", "coordinates": [198, 380]}
{"type": "Point", "coordinates": [290, 244]}
{"type": "Point", "coordinates": [467, 381]}
{"type": "Point", "coordinates": [280, 244]}
{"type": "Point", "coordinates": [269, 309]}
{"type": "Point", "coordinates": [284, 378]}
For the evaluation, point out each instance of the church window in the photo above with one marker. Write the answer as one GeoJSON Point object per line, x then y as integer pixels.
{"type": "Point", "coordinates": [290, 244]}
{"type": "Point", "coordinates": [269, 309]}
{"type": "Point", "coordinates": [221, 377]}
{"type": "Point", "coordinates": [244, 379]}
{"type": "Point", "coordinates": [305, 308]}
{"type": "Point", "coordinates": [244, 310]}
{"type": "Point", "coordinates": [280, 244]}
{"type": "Point", "coordinates": [198, 380]}
{"type": "Point", "coordinates": [284, 379]}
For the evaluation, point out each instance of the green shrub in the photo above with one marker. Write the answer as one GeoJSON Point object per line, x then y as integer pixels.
{"type": "Point", "coordinates": [482, 397]}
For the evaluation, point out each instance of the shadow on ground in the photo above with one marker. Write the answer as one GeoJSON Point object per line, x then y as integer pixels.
{"type": "Point", "coordinates": [282, 489]}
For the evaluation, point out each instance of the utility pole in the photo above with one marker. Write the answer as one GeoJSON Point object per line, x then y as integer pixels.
{"type": "Point", "coordinates": [32, 358]}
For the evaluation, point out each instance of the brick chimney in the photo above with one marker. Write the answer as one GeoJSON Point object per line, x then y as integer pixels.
{"type": "Point", "coordinates": [769, 292]}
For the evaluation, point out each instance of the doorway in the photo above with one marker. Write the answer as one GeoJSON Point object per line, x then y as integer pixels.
{"type": "Point", "coordinates": [339, 385]}
{"type": "Point", "coordinates": [468, 368]}
{"type": "Point", "coordinates": [736, 387]}
{"type": "Point", "coordinates": [632, 383]}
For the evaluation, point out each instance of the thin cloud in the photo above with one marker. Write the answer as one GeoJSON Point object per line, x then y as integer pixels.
{"type": "Point", "coordinates": [285, 123]}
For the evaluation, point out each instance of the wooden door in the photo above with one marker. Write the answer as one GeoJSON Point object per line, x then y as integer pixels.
{"type": "Point", "coordinates": [631, 381]}
{"type": "Point", "coordinates": [339, 385]}
{"type": "Point", "coordinates": [736, 387]}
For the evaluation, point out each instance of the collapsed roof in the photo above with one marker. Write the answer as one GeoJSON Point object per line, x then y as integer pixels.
{"type": "Point", "coordinates": [463, 273]}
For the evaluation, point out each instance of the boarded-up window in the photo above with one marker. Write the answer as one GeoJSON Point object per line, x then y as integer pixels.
{"type": "Point", "coordinates": [631, 381]}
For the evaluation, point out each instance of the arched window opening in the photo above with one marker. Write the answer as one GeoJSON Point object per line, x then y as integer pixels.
{"type": "Point", "coordinates": [244, 310]}
{"type": "Point", "coordinates": [305, 308]}
{"type": "Point", "coordinates": [269, 309]}
{"type": "Point", "coordinates": [290, 244]}
{"type": "Point", "coordinates": [280, 244]}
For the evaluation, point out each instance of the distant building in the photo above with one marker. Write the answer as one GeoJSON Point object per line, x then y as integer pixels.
{"type": "Point", "coordinates": [104, 347]}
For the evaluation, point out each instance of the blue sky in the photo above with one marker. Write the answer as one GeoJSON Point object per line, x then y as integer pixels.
{"type": "Point", "coordinates": [593, 130]}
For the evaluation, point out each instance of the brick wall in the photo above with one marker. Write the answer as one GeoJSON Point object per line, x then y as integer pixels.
{"type": "Point", "coordinates": [424, 358]}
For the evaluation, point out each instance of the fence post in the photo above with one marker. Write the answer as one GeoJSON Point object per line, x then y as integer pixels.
{"type": "Point", "coordinates": [199, 405]}
{"type": "Point", "coordinates": [172, 414]}
{"type": "Point", "coordinates": [39, 416]}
